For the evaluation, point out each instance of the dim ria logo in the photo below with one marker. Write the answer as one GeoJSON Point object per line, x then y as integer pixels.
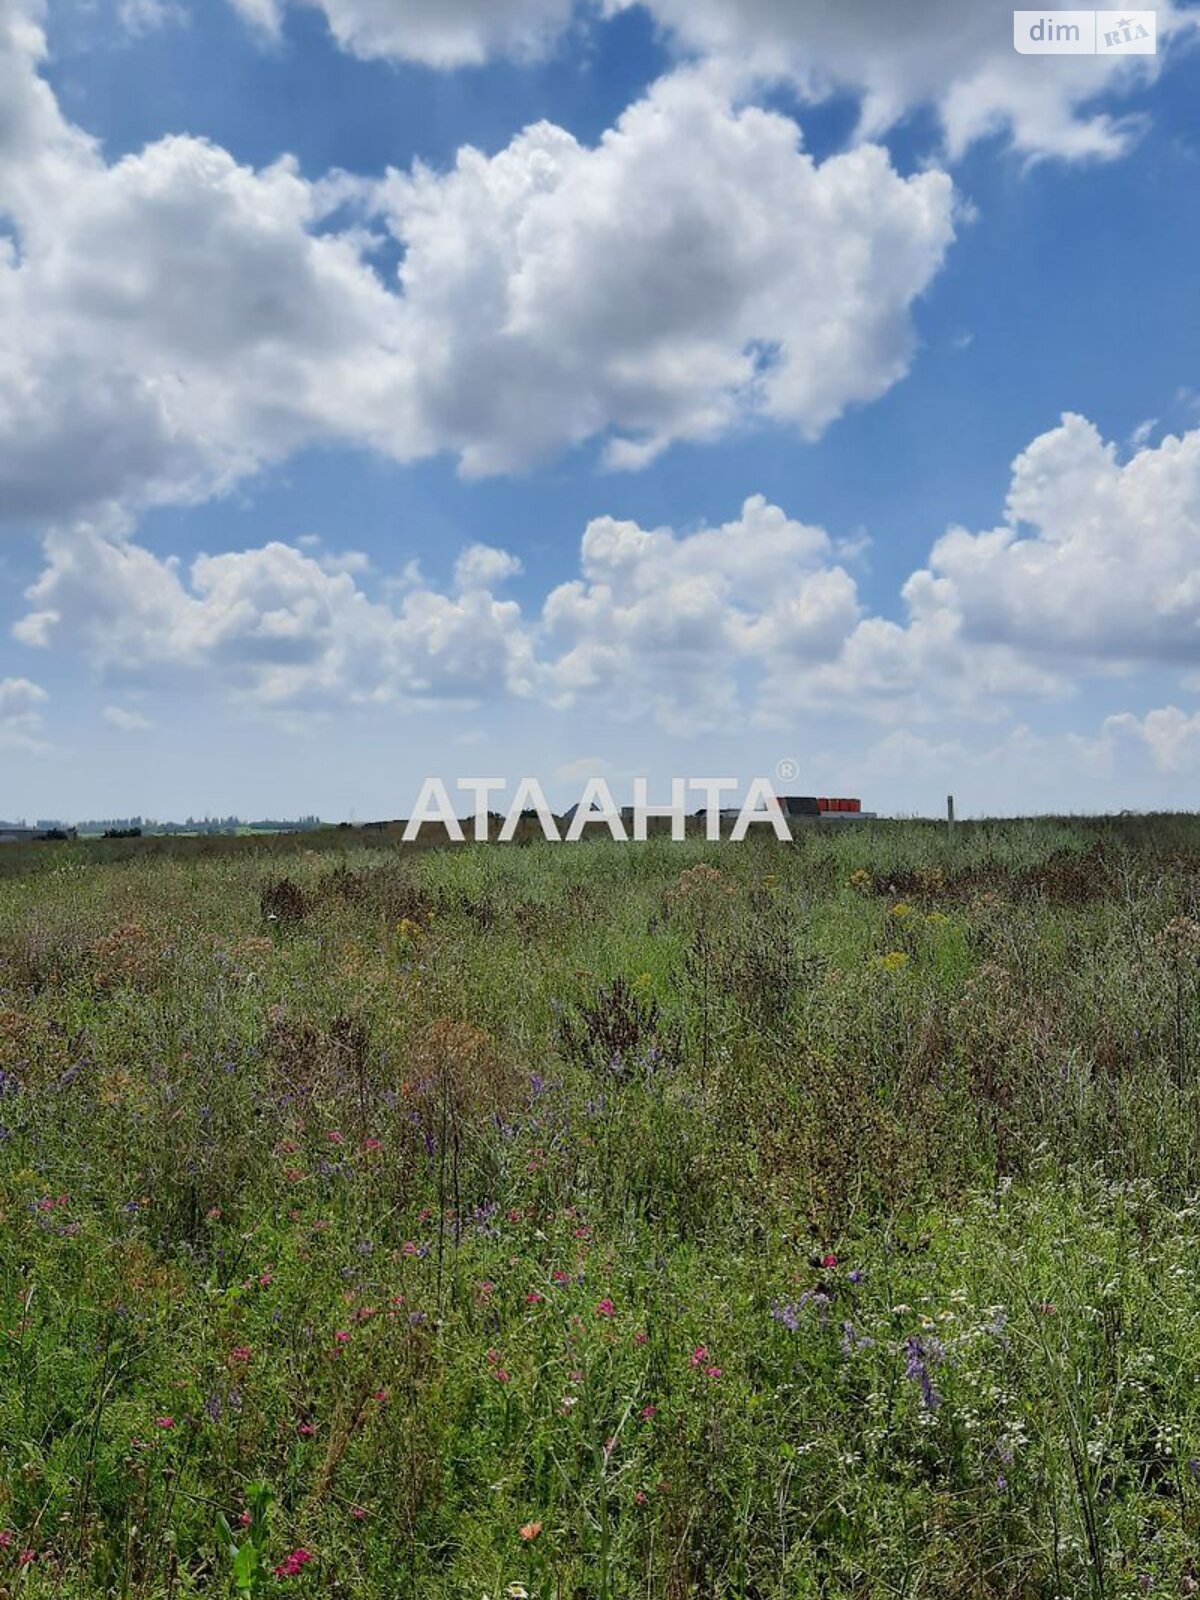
{"type": "Point", "coordinates": [1085, 33]}
{"type": "Point", "coordinates": [597, 809]}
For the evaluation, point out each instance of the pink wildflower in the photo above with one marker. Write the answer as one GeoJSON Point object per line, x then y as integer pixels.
{"type": "Point", "coordinates": [291, 1566]}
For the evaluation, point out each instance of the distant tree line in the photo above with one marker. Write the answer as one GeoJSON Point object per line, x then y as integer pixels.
{"type": "Point", "coordinates": [137, 827]}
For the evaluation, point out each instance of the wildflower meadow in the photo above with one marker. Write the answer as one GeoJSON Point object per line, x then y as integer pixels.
{"type": "Point", "coordinates": [660, 1220]}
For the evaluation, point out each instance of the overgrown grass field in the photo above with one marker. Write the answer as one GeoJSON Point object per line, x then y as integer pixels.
{"type": "Point", "coordinates": [605, 1221]}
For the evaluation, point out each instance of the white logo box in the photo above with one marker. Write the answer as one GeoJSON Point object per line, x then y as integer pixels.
{"type": "Point", "coordinates": [1085, 33]}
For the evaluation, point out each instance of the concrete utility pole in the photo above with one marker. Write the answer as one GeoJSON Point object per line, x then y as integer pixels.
{"type": "Point", "coordinates": [950, 815]}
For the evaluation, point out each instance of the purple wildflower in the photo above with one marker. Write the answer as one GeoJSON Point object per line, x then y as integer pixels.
{"type": "Point", "coordinates": [852, 1340]}
{"type": "Point", "coordinates": [920, 1356]}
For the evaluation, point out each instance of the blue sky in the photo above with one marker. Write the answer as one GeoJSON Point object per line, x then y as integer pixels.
{"type": "Point", "coordinates": [765, 385]}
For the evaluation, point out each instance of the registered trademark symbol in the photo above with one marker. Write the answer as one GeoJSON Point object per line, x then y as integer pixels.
{"type": "Point", "coordinates": [787, 769]}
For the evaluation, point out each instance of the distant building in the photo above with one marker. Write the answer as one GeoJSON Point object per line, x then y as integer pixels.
{"type": "Point", "coordinates": [813, 808]}
{"type": "Point", "coordinates": [799, 805]}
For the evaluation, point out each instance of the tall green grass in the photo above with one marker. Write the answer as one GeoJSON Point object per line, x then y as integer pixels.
{"type": "Point", "coordinates": [664, 1220]}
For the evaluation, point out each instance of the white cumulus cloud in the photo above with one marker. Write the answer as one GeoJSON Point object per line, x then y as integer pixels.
{"type": "Point", "coordinates": [1096, 557]}
{"type": "Point", "coordinates": [658, 624]}
{"type": "Point", "coordinates": [1093, 571]}
{"type": "Point", "coordinates": [668, 624]}
{"type": "Point", "coordinates": [21, 703]}
{"type": "Point", "coordinates": [436, 33]}
{"type": "Point", "coordinates": [272, 625]}
{"type": "Point", "coordinates": [175, 320]}
{"type": "Point", "coordinates": [693, 271]}
{"type": "Point", "coordinates": [1170, 735]}
{"type": "Point", "coordinates": [956, 58]}
{"type": "Point", "coordinates": [1092, 575]}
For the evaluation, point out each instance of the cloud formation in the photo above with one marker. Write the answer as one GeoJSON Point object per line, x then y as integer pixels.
{"type": "Point", "coordinates": [1095, 558]}
{"type": "Point", "coordinates": [21, 705]}
{"type": "Point", "coordinates": [667, 624]}
{"type": "Point", "coordinates": [176, 321]}
{"type": "Point", "coordinates": [1171, 736]}
{"type": "Point", "coordinates": [435, 33]}
{"type": "Point", "coordinates": [694, 271]}
{"type": "Point", "coordinates": [273, 625]}
{"type": "Point", "coordinates": [957, 59]}
{"type": "Point", "coordinates": [1094, 570]}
